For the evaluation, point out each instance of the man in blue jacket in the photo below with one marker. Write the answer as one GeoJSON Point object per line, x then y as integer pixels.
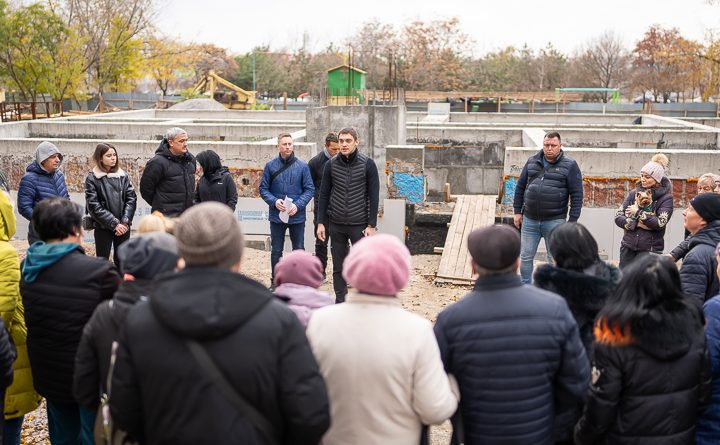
{"type": "Point", "coordinates": [514, 349]}
{"type": "Point", "coordinates": [42, 179]}
{"type": "Point", "coordinates": [548, 181]}
{"type": "Point", "coordinates": [286, 177]}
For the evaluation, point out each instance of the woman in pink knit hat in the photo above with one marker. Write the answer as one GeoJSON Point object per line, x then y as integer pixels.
{"type": "Point", "coordinates": [381, 363]}
{"type": "Point", "coordinates": [297, 278]}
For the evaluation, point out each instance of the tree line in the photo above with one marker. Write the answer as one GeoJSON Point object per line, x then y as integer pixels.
{"type": "Point", "coordinates": [72, 48]}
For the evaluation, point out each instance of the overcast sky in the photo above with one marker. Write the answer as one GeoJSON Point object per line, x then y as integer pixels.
{"type": "Point", "coordinates": [239, 26]}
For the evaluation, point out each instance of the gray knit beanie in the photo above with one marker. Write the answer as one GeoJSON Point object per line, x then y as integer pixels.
{"type": "Point", "coordinates": [208, 234]}
{"type": "Point", "coordinates": [44, 150]}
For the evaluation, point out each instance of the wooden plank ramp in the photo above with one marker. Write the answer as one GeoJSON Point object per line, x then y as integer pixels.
{"type": "Point", "coordinates": [471, 212]}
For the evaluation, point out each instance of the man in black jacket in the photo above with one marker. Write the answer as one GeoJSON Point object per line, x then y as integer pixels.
{"type": "Point", "coordinates": [349, 198]}
{"type": "Point", "coordinates": [317, 164]}
{"type": "Point", "coordinates": [168, 181]}
{"type": "Point", "coordinates": [514, 349]}
{"type": "Point", "coordinates": [160, 392]}
{"type": "Point", "coordinates": [547, 182]}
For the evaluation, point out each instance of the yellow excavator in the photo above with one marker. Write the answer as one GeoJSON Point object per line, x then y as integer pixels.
{"type": "Point", "coordinates": [235, 99]}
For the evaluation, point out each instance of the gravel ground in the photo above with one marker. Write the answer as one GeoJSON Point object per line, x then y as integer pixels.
{"type": "Point", "coordinates": [420, 296]}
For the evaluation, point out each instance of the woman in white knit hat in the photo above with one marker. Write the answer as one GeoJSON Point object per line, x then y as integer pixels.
{"type": "Point", "coordinates": [645, 212]}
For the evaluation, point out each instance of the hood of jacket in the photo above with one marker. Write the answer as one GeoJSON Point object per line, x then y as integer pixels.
{"type": "Point", "coordinates": [709, 235]}
{"type": "Point", "coordinates": [164, 150]}
{"type": "Point", "coordinates": [669, 330]}
{"type": "Point", "coordinates": [34, 167]}
{"type": "Point", "coordinates": [8, 223]}
{"type": "Point", "coordinates": [658, 192]}
{"type": "Point", "coordinates": [584, 291]}
{"type": "Point", "coordinates": [217, 174]}
{"type": "Point", "coordinates": [206, 302]}
{"type": "Point", "coordinates": [129, 293]}
{"type": "Point", "coordinates": [41, 255]}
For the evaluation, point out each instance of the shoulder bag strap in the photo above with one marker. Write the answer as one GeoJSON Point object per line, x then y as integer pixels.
{"type": "Point", "coordinates": [280, 170]}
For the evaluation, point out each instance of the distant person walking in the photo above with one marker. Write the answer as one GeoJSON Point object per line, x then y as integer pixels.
{"type": "Point", "coordinates": [317, 165]}
{"type": "Point", "coordinates": [348, 205]}
{"type": "Point", "coordinates": [645, 212]}
{"type": "Point", "coordinates": [110, 200]}
{"type": "Point", "coordinates": [548, 181]}
{"type": "Point", "coordinates": [216, 182]}
{"type": "Point", "coordinates": [168, 181]}
{"type": "Point", "coordinates": [286, 178]}
{"type": "Point", "coordinates": [42, 179]}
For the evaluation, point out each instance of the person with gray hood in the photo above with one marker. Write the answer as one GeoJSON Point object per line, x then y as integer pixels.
{"type": "Point", "coordinates": [142, 259]}
{"type": "Point", "coordinates": [42, 179]}
{"type": "Point", "coordinates": [208, 315]}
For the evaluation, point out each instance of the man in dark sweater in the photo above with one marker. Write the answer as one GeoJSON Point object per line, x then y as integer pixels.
{"type": "Point", "coordinates": [317, 164]}
{"type": "Point", "coordinates": [349, 195]}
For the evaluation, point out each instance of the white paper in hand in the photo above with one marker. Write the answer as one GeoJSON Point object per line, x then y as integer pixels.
{"type": "Point", "coordinates": [285, 216]}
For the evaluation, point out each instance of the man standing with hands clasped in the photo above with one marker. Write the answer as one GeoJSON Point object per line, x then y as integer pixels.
{"type": "Point", "coordinates": [349, 197]}
{"type": "Point", "coordinates": [286, 177]}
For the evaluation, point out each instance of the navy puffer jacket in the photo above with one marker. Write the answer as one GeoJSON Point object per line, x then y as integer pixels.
{"type": "Point", "coordinates": [295, 183]}
{"type": "Point", "coordinates": [518, 359]}
{"type": "Point", "coordinates": [36, 185]}
{"type": "Point", "coordinates": [708, 425]}
{"type": "Point", "coordinates": [699, 269]}
{"type": "Point", "coordinates": [542, 192]}
{"type": "Point", "coordinates": [650, 238]}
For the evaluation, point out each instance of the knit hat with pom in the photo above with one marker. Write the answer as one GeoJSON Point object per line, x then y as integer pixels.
{"type": "Point", "coordinates": [656, 167]}
{"type": "Point", "coordinates": [378, 265]}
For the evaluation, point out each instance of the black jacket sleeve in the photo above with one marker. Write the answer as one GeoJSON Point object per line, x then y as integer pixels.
{"type": "Point", "coordinates": [681, 250]}
{"type": "Point", "coordinates": [325, 189]}
{"type": "Point", "coordinates": [130, 203]}
{"type": "Point", "coordinates": [149, 180]}
{"type": "Point", "coordinates": [95, 207]}
{"type": "Point", "coordinates": [86, 377]}
{"type": "Point", "coordinates": [125, 403]}
{"type": "Point", "coordinates": [8, 354]}
{"type": "Point", "coordinates": [575, 188]}
{"type": "Point", "coordinates": [697, 272]}
{"type": "Point", "coordinates": [519, 198]}
{"type": "Point", "coordinates": [373, 191]}
{"type": "Point", "coordinates": [231, 194]}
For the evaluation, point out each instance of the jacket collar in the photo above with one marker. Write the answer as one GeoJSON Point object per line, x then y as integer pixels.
{"type": "Point", "coordinates": [349, 158]}
{"type": "Point", "coordinates": [539, 156]}
{"type": "Point", "coordinates": [99, 173]}
{"type": "Point", "coordinates": [494, 282]}
{"type": "Point", "coordinates": [361, 298]}
{"type": "Point", "coordinates": [285, 161]}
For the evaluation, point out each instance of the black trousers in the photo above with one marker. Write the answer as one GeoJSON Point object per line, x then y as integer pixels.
{"type": "Point", "coordinates": [340, 236]}
{"type": "Point", "coordinates": [627, 256]}
{"type": "Point", "coordinates": [105, 239]}
{"type": "Point", "coordinates": [321, 246]}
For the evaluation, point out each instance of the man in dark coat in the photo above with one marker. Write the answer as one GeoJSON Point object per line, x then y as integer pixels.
{"type": "Point", "coordinates": [168, 181]}
{"type": "Point", "coordinates": [548, 181]}
{"type": "Point", "coordinates": [514, 349]}
{"type": "Point", "coordinates": [349, 199]}
{"type": "Point", "coordinates": [698, 273]}
{"type": "Point", "coordinates": [160, 392]}
{"type": "Point", "coordinates": [317, 165]}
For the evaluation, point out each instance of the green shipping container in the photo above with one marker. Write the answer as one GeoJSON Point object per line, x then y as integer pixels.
{"type": "Point", "coordinates": [345, 82]}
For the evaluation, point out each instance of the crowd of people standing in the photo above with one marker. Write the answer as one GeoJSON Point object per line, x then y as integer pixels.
{"type": "Point", "coordinates": [170, 343]}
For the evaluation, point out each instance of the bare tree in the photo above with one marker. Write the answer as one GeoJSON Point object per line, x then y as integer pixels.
{"type": "Point", "coordinates": [604, 62]}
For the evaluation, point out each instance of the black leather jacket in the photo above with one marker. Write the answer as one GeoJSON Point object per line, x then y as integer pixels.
{"type": "Point", "coordinates": [110, 198]}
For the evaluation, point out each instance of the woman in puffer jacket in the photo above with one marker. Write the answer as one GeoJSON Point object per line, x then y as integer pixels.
{"type": "Point", "coordinates": [110, 200]}
{"type": "Point", "coordinates": [216, 183]}
{"type": "Point", "coordinates": [20, 397]}
{"type": "Point", "coordinates": [651, 373]}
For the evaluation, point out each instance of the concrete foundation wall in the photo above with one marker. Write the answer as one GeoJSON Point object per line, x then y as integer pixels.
{"type": "Point", "coordinates": [544, 118]}
{"type": "Point", "coordinates": [230, 114]}
{"type": "Point", "coordinates": [464, 135]}
{"type": "Point", "coordinates": [469, 170]}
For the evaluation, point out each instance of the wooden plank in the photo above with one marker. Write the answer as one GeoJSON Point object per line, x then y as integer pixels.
{"type": "Point", "coordinates": [463, 255]}
{"type": "Point", "coordinates": [438, 250]}
{"type": "Point", "coordinates": [480, 213]}
{"type": "Point", "coordinates": [459, 238]}
{"type": "Point", "coordinates": [449, 239]}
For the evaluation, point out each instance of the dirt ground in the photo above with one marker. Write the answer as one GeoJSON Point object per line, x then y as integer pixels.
{"type": "Point", "coordinates": [420, 296]}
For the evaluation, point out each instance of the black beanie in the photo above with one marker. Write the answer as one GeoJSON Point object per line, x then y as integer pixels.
{"type": "Point", "coordinates": [707, 205]}
{"type": "Point", "coordinates": [147, 255]}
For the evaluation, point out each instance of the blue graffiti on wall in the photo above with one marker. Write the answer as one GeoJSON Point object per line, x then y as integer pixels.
{"type": "Point", "coordinates": [509, 192]}
{"type": "Point", "coordinates": [409, 186]}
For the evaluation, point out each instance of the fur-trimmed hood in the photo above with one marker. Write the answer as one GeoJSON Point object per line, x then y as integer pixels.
{"type": "Point", "coordinates": [586, 291]}
{"type": "Point", "coordinates": [666, 331]}
{"type": "Point", "coordinates": [100, 174]}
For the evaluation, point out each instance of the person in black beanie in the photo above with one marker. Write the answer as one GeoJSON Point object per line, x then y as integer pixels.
{"type": "Point", "coordinates": [698, 271]}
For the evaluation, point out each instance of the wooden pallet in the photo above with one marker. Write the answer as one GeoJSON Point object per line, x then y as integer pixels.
{"type": "Point", "coordinates": [471, 212]}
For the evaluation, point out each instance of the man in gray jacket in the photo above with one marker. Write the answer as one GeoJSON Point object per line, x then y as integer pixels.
{"type": "Point", "coordinates": [514, 349]}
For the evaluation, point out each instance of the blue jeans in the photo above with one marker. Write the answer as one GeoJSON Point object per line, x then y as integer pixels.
{"type": "Point", "coordinates": [70, 424]}
{"type": "Point", "coordinates": [277, 241]}
{"type": "Point", "coordinates": [531, 231]}
{"type": "Point", "coordinates": [12, 430]}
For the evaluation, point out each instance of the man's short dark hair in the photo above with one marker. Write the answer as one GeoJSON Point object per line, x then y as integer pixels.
{"type": "Point", "coordinates": [57, 218]}
{"type": "Point", "coordinates": [552, 135]}
{"type": "Point", "coordinates": [284, 135]}
{"type": "Point", "coordinates": [349, 130]}
{"type": "Point", "coordinates": [331, 137]}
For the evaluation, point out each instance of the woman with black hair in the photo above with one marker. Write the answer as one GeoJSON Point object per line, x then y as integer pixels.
{"type": "Point", "coordinates": [585, 282]}
{"type": "Point", "coordinates": [216, 183]}
{"type": "Point", "coordinates": [111, 201]}
{"type": "Point", "coordinates": [651, 373]}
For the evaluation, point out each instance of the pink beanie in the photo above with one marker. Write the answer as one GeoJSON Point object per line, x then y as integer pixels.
{"type": "Point", "coordinates": [378, 265]}
{"type": "Point", "coordinates": [299, 267]}
{"type": "Point", "coordinates": [656, 167]}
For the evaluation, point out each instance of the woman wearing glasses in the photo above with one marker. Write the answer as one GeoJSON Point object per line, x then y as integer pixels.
{"type": "Point", "coordinates": [645, 212]}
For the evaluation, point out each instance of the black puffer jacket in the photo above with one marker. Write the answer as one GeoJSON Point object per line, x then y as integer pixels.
{"type": "Point", "coordinates": [161, 395]}
{"type": "Point", "coordinates": [649, 386]}
{"type": "Point", "coordinates": [517, 357]}
{"type": "Point", "coordinates": [168, 182]}
{"type": "Point", "coordinates": [656, 219]}
{"type": "Point", "coordinates": [110, 198]}
{"type": "Point", "coordinates": [57, 306]}
{"type": "Point", "coordinates": [217, 186]}
{"type": "Point", "coordinates": [698, 272]}
{"type": "Point", "coordinates": [542, 193]}
{"type": "Point", "coordinates": [585, 293]}
{"type": "Point", "coordinates": [92, 361]}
